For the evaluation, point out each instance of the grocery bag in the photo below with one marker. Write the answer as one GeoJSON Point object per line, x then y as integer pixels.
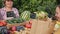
{"type": "Point", "coordinates": [42, 27]}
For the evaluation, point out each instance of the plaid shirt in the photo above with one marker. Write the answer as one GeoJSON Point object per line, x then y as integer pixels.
{"type": "Point", "coordinates": [3, 15]}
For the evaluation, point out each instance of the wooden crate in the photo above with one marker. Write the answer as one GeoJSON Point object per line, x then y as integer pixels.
{"type": "Point", "coordinates": [15, 24]}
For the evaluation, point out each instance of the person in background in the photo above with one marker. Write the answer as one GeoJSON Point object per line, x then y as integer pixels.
{"type": "Point", "coordinates": [8, 12]}
{"type": "Point", "coordinates": [58, 12]}
{"type": "Point", "coordinates": [57, 26]}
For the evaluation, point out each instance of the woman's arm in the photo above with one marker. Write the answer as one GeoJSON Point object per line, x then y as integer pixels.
{"type": "Point", "coordinates": [0, 14]}
{"type": "Point", "coordinates": [16, 13]}
{"type": "Point", "coordinates": [3, 14]}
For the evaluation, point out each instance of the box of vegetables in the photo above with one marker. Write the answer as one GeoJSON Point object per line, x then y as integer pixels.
{"type": "Point", "coordinates": [15, 22]}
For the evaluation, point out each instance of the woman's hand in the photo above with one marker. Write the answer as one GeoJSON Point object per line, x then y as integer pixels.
{"type": "Point", "coordinates": [9, 18]}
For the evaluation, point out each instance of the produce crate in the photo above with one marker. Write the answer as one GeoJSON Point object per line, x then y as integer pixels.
{"type": "Point", "coordinates": [42, 27]}
{"type": "Point", "coordinates": [38, 27]}
{"type": "Point", "coordinates": [15, 24]}
{"type": "Point", "coordinates": [26, 31]}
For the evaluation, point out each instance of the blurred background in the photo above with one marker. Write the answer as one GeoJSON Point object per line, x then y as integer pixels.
{"type": "Point", "coordinates": [35, 5]}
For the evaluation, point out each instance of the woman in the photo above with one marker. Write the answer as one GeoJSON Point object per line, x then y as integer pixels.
{"type": "Point", "coordinates": [8, 12]}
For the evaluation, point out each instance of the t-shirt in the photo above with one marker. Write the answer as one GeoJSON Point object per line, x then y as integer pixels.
{"type": "Point", "coordinates": [3, 13]}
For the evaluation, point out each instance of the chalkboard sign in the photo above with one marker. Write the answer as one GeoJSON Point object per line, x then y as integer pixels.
{"type": "Point", "coordinates": [10, 14]}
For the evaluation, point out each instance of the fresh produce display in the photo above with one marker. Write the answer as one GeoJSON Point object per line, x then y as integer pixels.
{"type": "Point", "coordinates": [15, 29]}
{"type": "Point", "coordinates": [34, 6]}
{"type": "Point", "coordinates": [25, 15]}
{"type": "Point", "coordinates": [15, 20]}
{"type": "Point", "coordinates": [41, 14]}
{"type": "Point", "coordinates": [19, 30]}
{"type": "Point", "coordinates": [26, 31]}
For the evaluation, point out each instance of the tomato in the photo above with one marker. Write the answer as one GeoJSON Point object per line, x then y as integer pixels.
{"type": "Point", "coordinates": [1, 24]}
{"type": "Point", "coordinates": [4, 23]}
{"type": "Point", "coordinates": [14, 28]}
{"type": "Point", "coordinates": [28, 25]}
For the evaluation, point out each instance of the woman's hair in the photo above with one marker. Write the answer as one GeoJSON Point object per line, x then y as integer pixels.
{"type": "Point", "coordinates": [4, 1]}
{"type": "Point", "coordinates": [58, 6]}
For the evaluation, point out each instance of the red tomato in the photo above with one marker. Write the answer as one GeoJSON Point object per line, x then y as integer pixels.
{"type": "Point", "coordinates": [14, 28]}
{"type": "Point", "coordinates": [1, 24]}
{"type": "Point", "coordinates": [28, 25]}
{"type": "Point", "coordinates": [4, 23]}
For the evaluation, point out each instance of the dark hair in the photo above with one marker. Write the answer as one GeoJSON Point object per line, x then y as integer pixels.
{"type": "Point", "coordinates": [6, 0]}
{"type": "Point", "coordinates": [58, 6]}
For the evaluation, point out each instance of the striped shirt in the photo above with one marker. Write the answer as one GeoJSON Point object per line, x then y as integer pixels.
{"type": "Point", "coordinates": [3, 13]}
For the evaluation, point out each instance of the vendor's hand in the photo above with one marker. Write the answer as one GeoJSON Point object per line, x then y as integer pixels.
{"type": "Point", "coordinates": [9, 18]}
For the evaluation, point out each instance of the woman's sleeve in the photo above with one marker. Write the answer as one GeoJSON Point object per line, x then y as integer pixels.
{"type": "Point", "coordinates": [1, 15]}
{"type": "Point", "coordinates": [16, 13]}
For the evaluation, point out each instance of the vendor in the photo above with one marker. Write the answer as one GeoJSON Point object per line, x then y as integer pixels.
{"type": "Point", "coordinates": [8, 12]}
